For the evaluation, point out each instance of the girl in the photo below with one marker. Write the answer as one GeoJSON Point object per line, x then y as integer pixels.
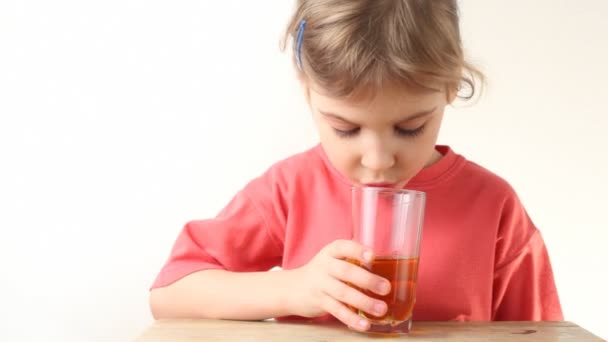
{"type": "Point", "coordinates": [377, 75]}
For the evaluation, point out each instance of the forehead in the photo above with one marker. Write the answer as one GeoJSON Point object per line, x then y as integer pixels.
{"type": "Point", "coordinates": [390, 101]}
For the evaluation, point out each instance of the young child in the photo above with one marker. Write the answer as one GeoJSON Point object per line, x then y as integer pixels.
{"type": "Point", "coordinates": [377, 76]}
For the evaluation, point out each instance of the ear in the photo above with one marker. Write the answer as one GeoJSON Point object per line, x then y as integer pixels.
{"type": "Point", "coordinates": [452, 93]}
{"type": "Point", "coordinates": [452, 88]}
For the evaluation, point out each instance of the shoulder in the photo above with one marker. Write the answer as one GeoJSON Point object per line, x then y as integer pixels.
{"type": "Point", "coordinates": [296, 161]}
{"type": "Point", "coordinates": [283, 178]}
{"type": "Point", "coordinates": [491, 194]}
{"type": "Point", "coordinates": [489, 186]}
{"type": "Point", "coordinates": [484, 179]}
{"type": "Point", "coordinates": [457, 176]}
{"type": "Point", "coordinates": [293, 167]}
{"type": "Point", "coordinates": [495, 198]}
{"type": "Point", "coordinates": [454, 176]}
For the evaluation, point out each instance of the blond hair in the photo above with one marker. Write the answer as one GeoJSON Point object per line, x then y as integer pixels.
{"type": "Point", "coordinates": [353, 46]}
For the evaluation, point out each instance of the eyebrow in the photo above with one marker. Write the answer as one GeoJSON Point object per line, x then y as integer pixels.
{"type": "Point", "coordinates": [410, 117]}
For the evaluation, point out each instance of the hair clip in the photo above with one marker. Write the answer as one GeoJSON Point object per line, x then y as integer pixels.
{"type": "Point", "coordinates": [299, 40]}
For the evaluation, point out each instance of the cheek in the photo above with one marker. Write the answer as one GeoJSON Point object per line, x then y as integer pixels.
{"type": "Point", "coordinates": [408, 159]}
{"type": "Point", "coordinates": [435, 127]}
{"type": "Point", "coordinates": [414, 156]}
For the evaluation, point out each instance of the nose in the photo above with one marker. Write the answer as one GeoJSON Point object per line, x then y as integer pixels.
{"type": "Point", "coordinates": [378, 158]}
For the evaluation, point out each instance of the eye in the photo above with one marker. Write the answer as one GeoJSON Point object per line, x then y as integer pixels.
{"type": "Point", "coordinates": [409, 133]}
{"type": "Point", "coordinates": [347, 133]}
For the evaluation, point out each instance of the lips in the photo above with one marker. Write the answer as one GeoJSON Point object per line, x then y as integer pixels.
{"type": "Point", "coordinates": [381, 185]}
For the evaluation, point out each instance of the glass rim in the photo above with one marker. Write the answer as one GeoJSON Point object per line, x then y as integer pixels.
{"type": "Point", "coordinates": [400, 191]}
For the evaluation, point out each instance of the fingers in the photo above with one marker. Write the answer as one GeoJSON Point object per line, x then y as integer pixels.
{"type": "Point", "coordinates": [342, 313]}
{"type": "Point", "coordinates": [353, 297]}
{"type": "Point", "coordinates": [358, 276]}
{"type": "Point", "coordinates": [346, 249]}
{"type": "Point", "coordinates": [339, 295]}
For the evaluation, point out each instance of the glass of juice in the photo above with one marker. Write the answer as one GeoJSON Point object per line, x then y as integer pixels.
{"type": "Point", "coordinates": [389, 221]}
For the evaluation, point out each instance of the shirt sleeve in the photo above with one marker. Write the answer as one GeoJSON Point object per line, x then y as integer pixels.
{"type": "Point", "coordinates": [237, 239]}
{"type": "Point", "coordinates": [524, 286]}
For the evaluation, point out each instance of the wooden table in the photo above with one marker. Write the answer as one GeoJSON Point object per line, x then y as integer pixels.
{"type": "Point", "coordinates": [215, 330]}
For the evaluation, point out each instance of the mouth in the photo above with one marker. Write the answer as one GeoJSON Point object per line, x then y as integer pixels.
{"type": "Point", "coordinates": [381, 185]}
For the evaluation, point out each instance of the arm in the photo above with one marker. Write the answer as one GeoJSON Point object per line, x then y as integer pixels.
{"type": "Point", "coordinates": [224, 294]}
{"type": "Point", "coordinates": [314, 289]}
{"type": "Point", "coordinates": [218, 269]}
{"type": "Point", "coordinates": [524, 286]}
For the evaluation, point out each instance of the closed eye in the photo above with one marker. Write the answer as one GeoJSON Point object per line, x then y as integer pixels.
{"type": "Point", "coordinates": [347, 133]}
{"type": "Point", "coordinates": [401, 132]}
{"type": "Point", "coordinates": [410, 133]}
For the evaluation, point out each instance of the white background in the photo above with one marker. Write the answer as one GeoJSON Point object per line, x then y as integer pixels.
{"type": "Point", "coordinates": [122, 120]}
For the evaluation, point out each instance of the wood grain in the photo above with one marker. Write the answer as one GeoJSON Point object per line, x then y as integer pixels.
{"type": "Point", "coordinates": [222, 330]}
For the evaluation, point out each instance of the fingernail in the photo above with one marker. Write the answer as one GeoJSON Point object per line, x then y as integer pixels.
{"type": "Point", "coordinates": [379, 308]}
{"type": "Point", "coordinates": [362, 323]}
{"type": "Point", "coordinates": [384, 287]}
{"type": "Point", "coordinates": [367, 255]}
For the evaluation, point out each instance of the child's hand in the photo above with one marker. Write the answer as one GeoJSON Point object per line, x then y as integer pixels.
{"type": "Point", "coordinates": [321, 285]}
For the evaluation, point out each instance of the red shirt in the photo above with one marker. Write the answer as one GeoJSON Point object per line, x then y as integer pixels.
{"type": "Point", "coordinates": [481, 257]}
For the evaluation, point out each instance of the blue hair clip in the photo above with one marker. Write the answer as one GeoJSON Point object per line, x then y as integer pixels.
{"type": "Point", "coordinates": [299, 40]}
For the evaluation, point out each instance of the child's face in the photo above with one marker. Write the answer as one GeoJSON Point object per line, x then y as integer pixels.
{"type": "Point", "coordinates": [384, 141]}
